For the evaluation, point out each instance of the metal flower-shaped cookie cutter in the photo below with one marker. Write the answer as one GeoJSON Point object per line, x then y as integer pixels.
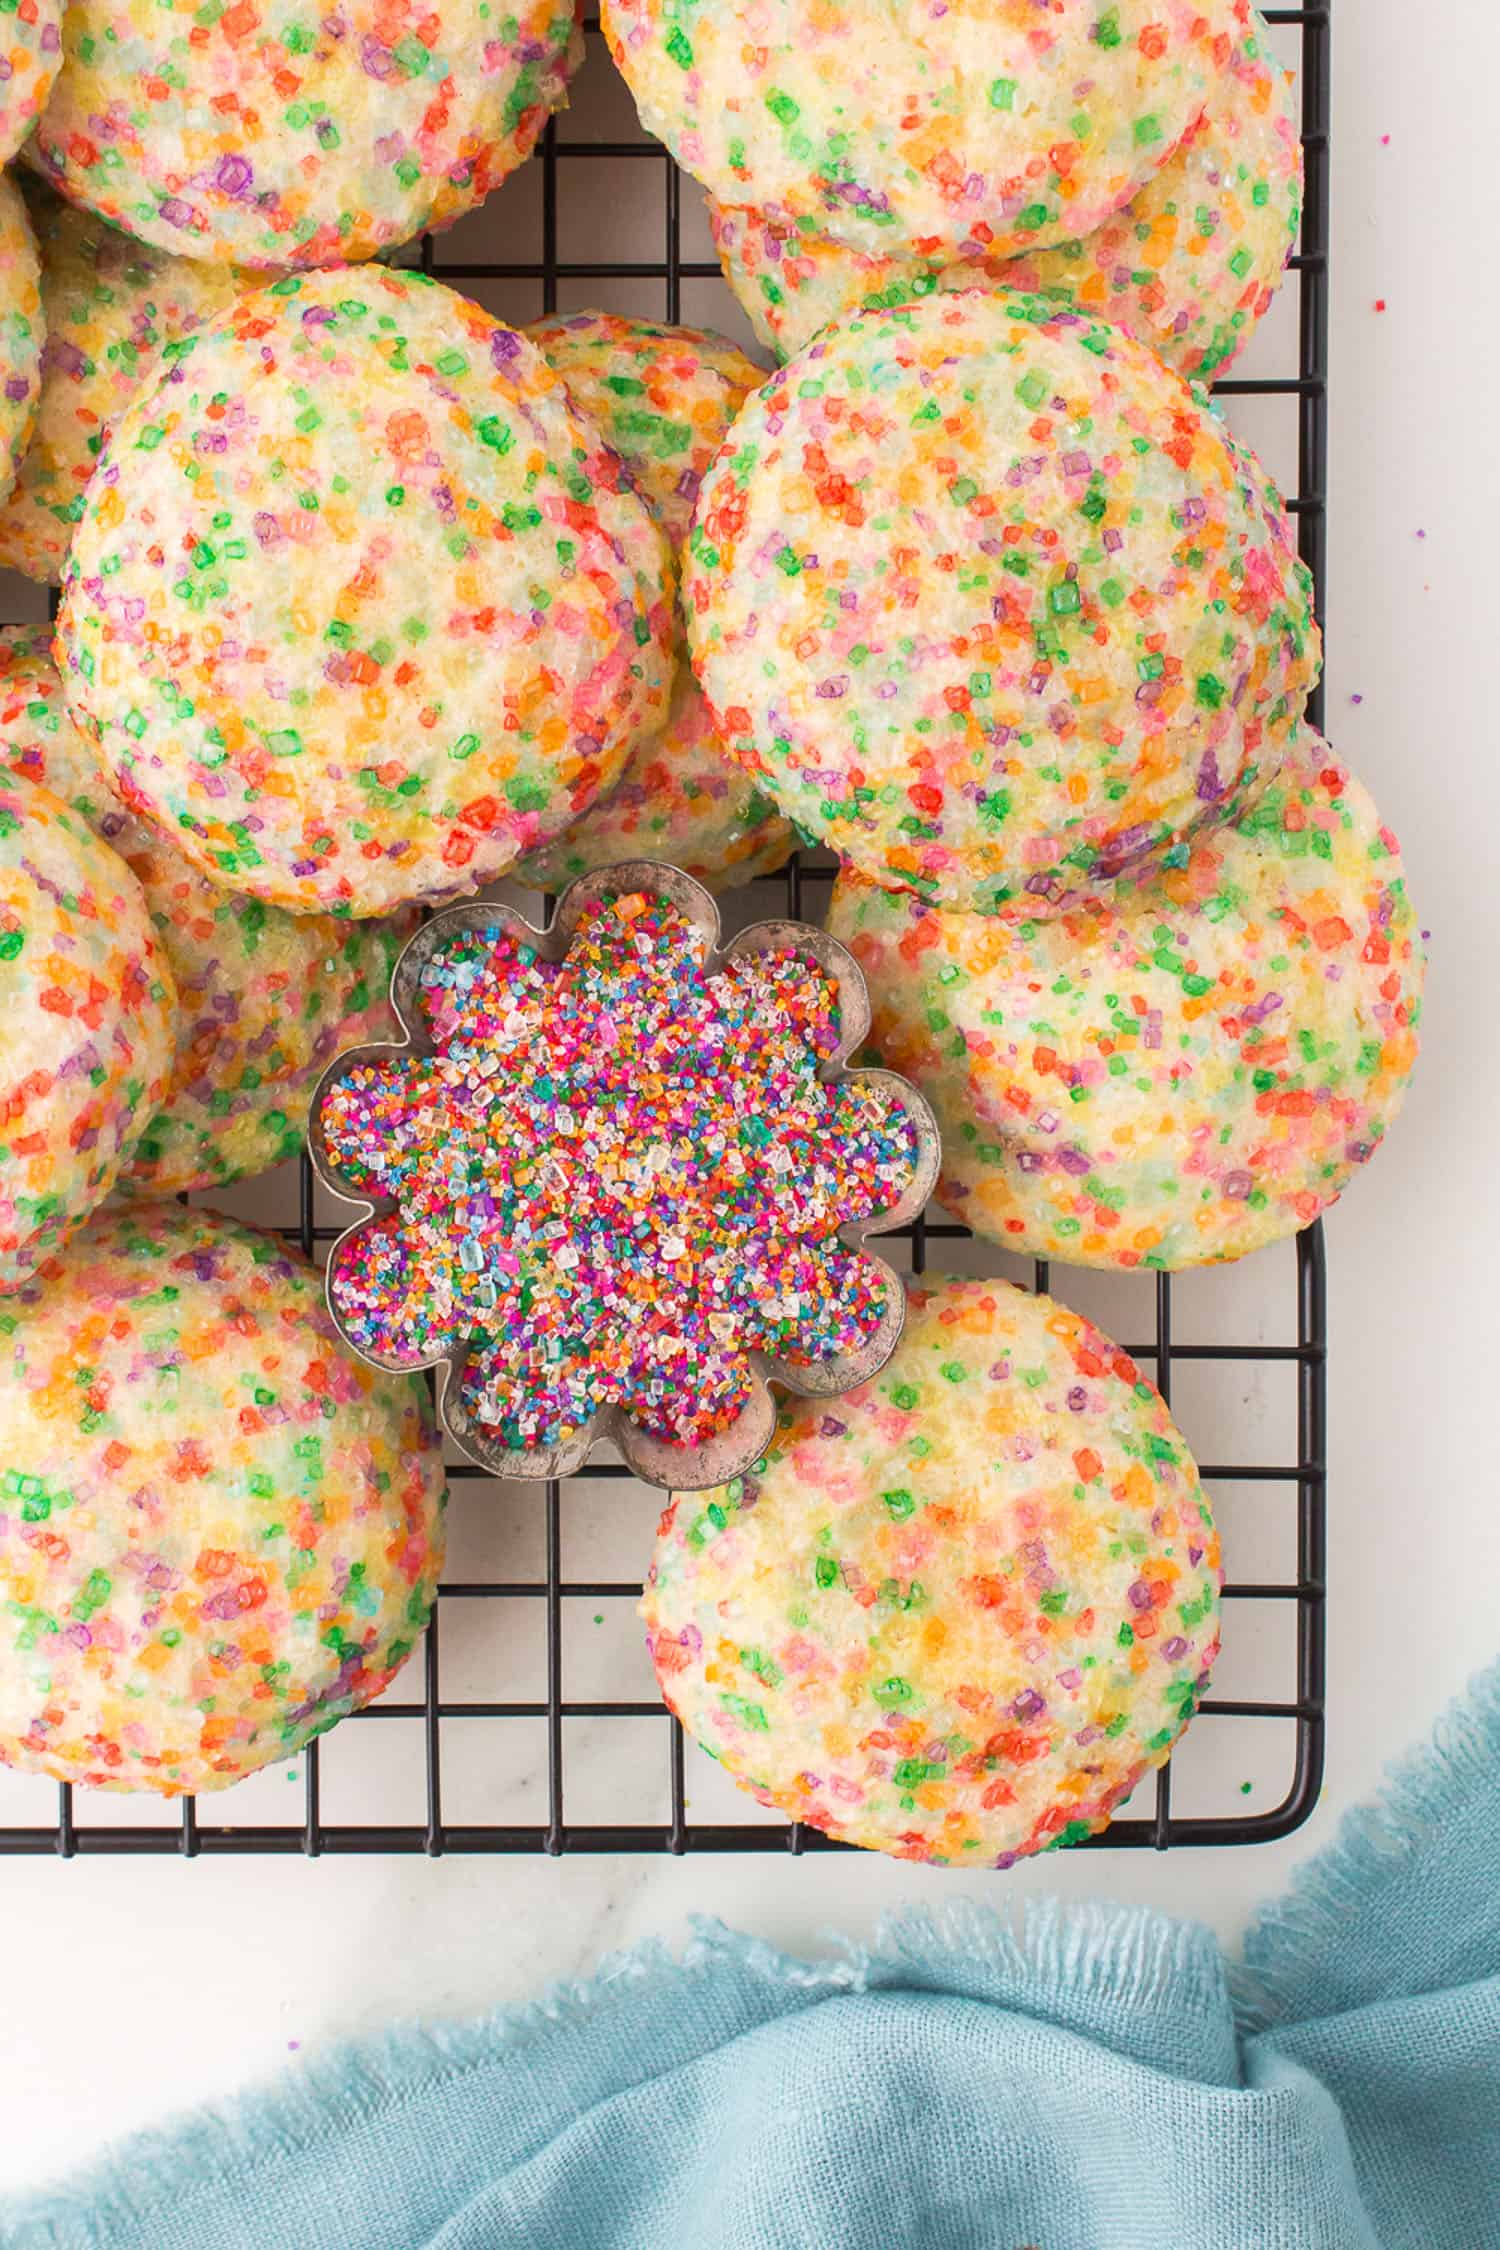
{"type": "Point", "coordinates": [728, 1452]}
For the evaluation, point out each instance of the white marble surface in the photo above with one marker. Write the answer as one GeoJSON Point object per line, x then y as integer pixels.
{"type": "Point", "coordinates": [132, 1986]}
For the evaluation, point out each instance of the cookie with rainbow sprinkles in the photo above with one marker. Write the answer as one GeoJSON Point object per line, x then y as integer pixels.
{"type": "Point", "coordinates": [21, 330]}
{"type": "Point", "coordinates": [1189, 265]}
{"type": "Point", "coordinates": [991, 602]}
{"type": "Point", "coordinates": [88, 1010]}
{"type": "Point", "coordinates": [662, 395]}
{"type": "Point", "coordinates": [218, 1532]}
{"type": "Point", "coordinates": [680, 799]}
{"type": "Point", "coordinates": [112, 309]}
{"type": "Point", "coordinates": [891, 128]}
{"type": "Point", "coordinates": [265, 999]}
{"type": "Point", "coordinates": [360, 610]}
{"type": "Point", "coordinates": [31, 53]}
{"type": "Point", "coordinates": [276, 135]}
{"type": "Point", "coordinates": [664, 398]}
{"type": "Point", "coordinates": [1178, 1076]}
{"type": "Point", "coordinates": [959, 1613]}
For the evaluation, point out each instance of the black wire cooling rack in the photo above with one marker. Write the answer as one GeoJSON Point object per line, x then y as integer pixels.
{"type": "Point", "coordinates": [510, 1745]}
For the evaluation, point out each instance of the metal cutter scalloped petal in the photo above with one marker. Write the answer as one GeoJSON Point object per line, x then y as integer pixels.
{"type": "Point", "coordinates": [733, 1448]}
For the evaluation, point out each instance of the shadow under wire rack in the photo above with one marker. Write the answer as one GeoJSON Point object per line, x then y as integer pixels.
{"type": "Point", "coordinates": [528, 1754]}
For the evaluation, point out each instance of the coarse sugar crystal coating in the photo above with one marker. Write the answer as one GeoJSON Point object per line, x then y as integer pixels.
{"type": "Point", "coordinates": [21, 330]}
{"type": "Point", "coordinates": [265, 999]}
{"type": "Point", "coordinates": [219, 1533]}
{"type": "Point", "coordinates": [1184, 1074]}
{"type": "Point", "coordinates": [1189, 266]}
{"type": "Point", "coordinates": [681, 799]}
{"type": "Point", "coordinates": [31, 52]}
{"type": "Point", "coordinates": [992, 602]}
{"type": "Point", "coordinates": [957, 1614]}
{"type": "Point", "coordinates": [112, 310]}
{"type": "Point", "coordinates": [617, 1175]}
{"type": "Point", "coordinates": [88, 1015]}
{"type": "Point", "coordinates": [905, 127]}
{"type": "Point", "coordinates": [359, 610]}
{"type": "Point", "coordinates": [276, 136]}
{"type": "Point", "coordinates": [664, 397]}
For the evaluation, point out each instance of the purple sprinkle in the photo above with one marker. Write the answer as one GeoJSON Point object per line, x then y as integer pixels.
{"type": "Point", "coordinates": [64, 357]}
{"type": "Point", "coordinates": [234, 175]}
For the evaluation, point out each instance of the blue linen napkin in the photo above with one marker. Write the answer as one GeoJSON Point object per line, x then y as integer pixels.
{"type": "Point", "coordinates": [1075, 2080]}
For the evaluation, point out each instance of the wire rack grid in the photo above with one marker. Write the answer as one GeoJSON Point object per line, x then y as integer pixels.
{"type": "Point", "coordinates": [437, 1716]}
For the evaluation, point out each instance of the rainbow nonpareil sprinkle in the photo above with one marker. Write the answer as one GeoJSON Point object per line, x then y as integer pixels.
{"type": "Point", "coordinates": [619, 1175]}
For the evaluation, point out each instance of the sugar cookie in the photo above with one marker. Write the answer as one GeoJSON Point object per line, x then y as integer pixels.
{"type": "Point", "coordinates": [112, 309]}
{"type": "Point", "coordinates": [955, 1615]}
{"type": "Point", "coordinates": [1189, 266]}
{"type": "Point", "coordinates": [265, 999]}
{"type": "Point", "coordinates": [1178, 1076]}
{"type": "Point", "coordinates": [359, 610]}
{"type": "Point", "coordinates": [21, 331]}
{"type": "Point", "coordinates": [991, 601]}
{"type": "Point", "coordinates": [901, 128]}
{"type": "Point", "coordinates": [664, 397]}
{"type": "Point", "coordinates": [88, 1010]}
{"type": "Point", "coordinates": [279, 137]}
{"type": "Point", "coordinates": [218, 1532]}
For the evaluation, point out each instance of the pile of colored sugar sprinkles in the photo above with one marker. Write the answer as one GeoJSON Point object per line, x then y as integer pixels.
{"type": "Point", "coordinates": [618, 1175]}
